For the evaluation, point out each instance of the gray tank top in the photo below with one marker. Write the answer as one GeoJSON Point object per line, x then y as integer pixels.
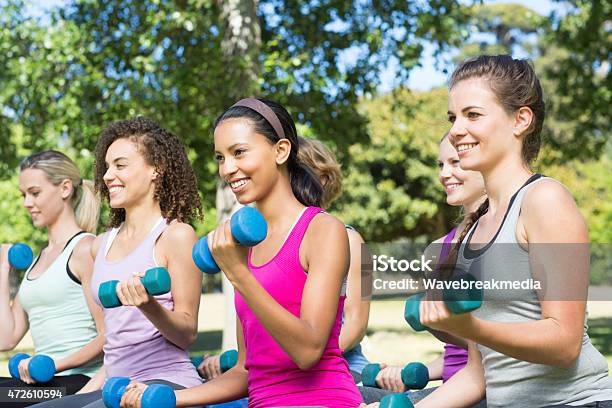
{"type": "Point", "coordinates": [516, 383]}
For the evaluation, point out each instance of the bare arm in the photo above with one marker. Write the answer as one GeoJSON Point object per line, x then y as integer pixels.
{"type": "Point", "coordinates": [356, 309]}
{"type": "Point", "coordinates": [229, 386]}
{"type": "Point", "coordinates": [180, 325]}
{"type": "Point", "coordinates": [325, 252]}
{"type": "Point", "coordinates": [464, 389]}
{"type": "Point", "coordinates": [13, 317]}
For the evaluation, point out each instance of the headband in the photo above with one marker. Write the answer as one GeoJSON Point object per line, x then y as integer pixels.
{"type": "Point", "coordinates": [265, 111]}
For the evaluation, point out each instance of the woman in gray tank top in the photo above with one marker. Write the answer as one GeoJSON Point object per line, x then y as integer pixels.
{"type": "Point", "coordinates": [528, 346]}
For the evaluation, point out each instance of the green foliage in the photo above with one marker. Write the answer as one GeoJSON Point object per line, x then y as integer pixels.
{"type": "Point", "coordinates": [390, 187]}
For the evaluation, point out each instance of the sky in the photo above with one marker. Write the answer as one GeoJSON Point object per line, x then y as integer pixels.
{"type": "Point", "coordinates": [421, 78]}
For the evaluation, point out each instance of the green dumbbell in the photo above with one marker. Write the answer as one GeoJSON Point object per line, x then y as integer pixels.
{"type": "Point", "coordinates": [458, 301]}
{"type": "Point", "coordinates": [156, 281]}
{"type": "Point", "coordinates": [415, 376]}
{"type": "Point", "coordinates": [227, 360]}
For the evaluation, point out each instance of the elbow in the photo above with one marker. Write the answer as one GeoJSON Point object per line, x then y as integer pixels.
{"type": "Point", "coordinates": [309, 358]}
{"type": "Point", "coordinates": [568, 358]}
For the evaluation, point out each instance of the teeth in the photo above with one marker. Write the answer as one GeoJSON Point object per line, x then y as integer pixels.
{"type": "Point", "coordinates": [115, 189]}
{"type": "Point", "coordinates": [452, 186]}
{"type": "Point", "coordinates": [466, 146]}
{"type": "Point", "coordinates": [238, 183]}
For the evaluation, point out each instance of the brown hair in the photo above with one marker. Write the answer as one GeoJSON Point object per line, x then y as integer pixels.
{"type": "Point", "coordinates": [322, 161]}
{"type": "Point", "coordinates": [515, 85]}
{"type": "Point", "coordinates": [176, 185]}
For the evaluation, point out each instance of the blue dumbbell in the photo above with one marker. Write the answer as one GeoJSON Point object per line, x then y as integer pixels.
{"type": "Point", "coordinates": [40, 367]}
{"type": "Point", "coordinates": [457, 300]}
{"type": "Point", "coordinates": [248, 227]}
{"type": "Point", "coordinates": [415, 376]}
{"type": "Point", "coordinates": [155, 396]}
{"type": "Point", "coordinates": [396, 401]}
{"type": "Point", "coordinates": [227, 360]}
{"type": "Point", "coordinates": [156, 281]}
{"type": "Point", "coordinates": [20, 256]}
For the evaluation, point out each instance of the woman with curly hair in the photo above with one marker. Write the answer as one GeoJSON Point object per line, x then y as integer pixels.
{"type": "Point", "coordinates": [143, 172]}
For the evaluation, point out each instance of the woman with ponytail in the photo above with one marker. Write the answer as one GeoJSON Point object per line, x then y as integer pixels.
{"type": "Point", "coordinates": [51, 301]}
{"type": "Point", "coordinates": [289, 287]}
{"type": "Point", "coordinates": [526, 347]}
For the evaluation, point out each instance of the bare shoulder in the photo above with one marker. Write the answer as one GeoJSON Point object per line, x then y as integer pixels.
{"type": "Point", "coordinates": [546, 197]}
{"type": "Point", "coordinates": [354, 237]}
{"type": "Point", "coordinates": [547, 192]}
{"type": "Point", "coordinates": [178, 233]}
{"type": "Point", "coordinates": [323, 224]}
{"type": "Point", "coordinates": [84, 248]}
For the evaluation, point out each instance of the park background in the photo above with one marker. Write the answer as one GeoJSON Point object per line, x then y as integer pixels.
{"type": "Point", "coordinates": [365, 76]}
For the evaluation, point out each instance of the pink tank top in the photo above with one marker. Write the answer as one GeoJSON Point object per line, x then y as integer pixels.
{"type": "Point", "coordinates": [273, 378]}
{"type": "Point", "coordinates": [455, 358]}
{"type": "Point", "coordinates": [134, 347]}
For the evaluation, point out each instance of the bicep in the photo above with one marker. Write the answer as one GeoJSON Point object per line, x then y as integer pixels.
{"type": "Point", "coordinates": [185, 277]}
{"type": "Point", "coordinates": [558, 254]}
{"type": "Point", "coordinates": [328, 259]}
{"type": "Point", "coordinates": [20, 318]}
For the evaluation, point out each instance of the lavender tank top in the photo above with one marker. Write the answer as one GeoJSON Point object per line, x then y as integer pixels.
{"type": "Point", "coordinates": [134, 347]}
{"type": "Point", "coordinates": [273, 378]}
{"type": "Point", "coordinates": [455, 358]}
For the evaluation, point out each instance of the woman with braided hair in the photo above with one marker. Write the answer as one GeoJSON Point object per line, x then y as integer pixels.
{"type": "Point", "coordinates": [526, 348]}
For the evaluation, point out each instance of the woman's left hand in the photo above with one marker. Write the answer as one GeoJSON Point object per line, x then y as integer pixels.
{"type": "Point", "coordinates": [133, 394]}
{"type": "Point", "coordinates": [231, 257]}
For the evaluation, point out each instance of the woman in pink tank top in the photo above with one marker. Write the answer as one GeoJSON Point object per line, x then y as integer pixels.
{"type": "Point", "coordinates": [288, 287]}
{"type": "Point", "coordinates": [463, 188]}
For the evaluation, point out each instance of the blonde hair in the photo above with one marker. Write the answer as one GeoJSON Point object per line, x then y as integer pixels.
{"type": "Point", "coordinates": [314, 154]}
{"type": "Point", "coordinates": [59, 167]}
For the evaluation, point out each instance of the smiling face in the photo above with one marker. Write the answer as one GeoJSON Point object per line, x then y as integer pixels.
{"type": "Point", "coordinates": [43, 200]}
{"type": "Point", "coordinates": [247, 160]}
{"type": "Point", "coordinates": [129, 178]}
{"type": "Point", "coordinates": [462, 187]}
{"type": "Point", "coordinates": [482, 131]}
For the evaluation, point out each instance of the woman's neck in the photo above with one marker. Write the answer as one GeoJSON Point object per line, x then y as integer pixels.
{"type": "Point", "coordinates": [502, 181]}
{"type": "Point", "coordinates": [63, 228]}
{"type": "Point", "coordinates": [141, 219]}
{"type": "Point", "coordinates": [280, 207]}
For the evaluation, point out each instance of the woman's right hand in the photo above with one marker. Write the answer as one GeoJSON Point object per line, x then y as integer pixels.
{"type": "Point", "coordinates": [210, 367]}
{"type": "Point", "coordinates": [133, 394]}
{"type": "Point", "coordinates": [24, 372]}
{"type": "Point", "coordinates": [390, 378]}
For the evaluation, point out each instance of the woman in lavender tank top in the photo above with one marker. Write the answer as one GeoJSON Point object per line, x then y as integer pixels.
{"type": "Point", "coordinates": [463, 188]}
{"type": "Point", "coordinates": [143, 172]}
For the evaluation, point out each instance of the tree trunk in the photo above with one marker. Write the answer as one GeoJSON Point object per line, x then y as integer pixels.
{"type": "Point", "coordinates": [241, 44]}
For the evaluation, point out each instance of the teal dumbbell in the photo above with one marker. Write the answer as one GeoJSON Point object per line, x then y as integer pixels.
{"type": "Point", "coordinates": [155, 396]}
{"type": "Point", "coordinates": [40, 367]}
{"type": "Point", "coordinates": [396, 401]}
{"type": "Point", "coordinates": [156, 281]}
{"type": "Point", "coordinates": [20, 256]}
{"type": "Point", "coordinates": [248, 227]}
{"type": "Point", "coordinates": [415, 376]}
{"type": "Point", "coordinates": [458, 301]}
{"type": "Point", "coordinates": [227, 360]}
